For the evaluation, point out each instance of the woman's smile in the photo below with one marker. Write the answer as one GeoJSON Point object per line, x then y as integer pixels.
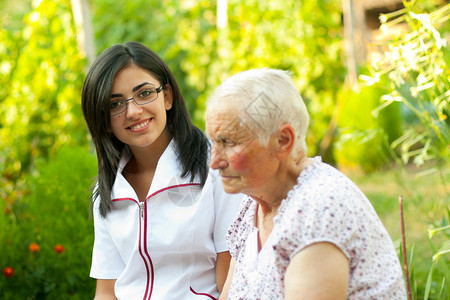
{"type": "Point", "coordinates": [140, 126]}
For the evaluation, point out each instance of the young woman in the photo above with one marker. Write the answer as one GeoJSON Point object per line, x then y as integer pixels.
{"type": "Point", "coordinates": [160, 214]}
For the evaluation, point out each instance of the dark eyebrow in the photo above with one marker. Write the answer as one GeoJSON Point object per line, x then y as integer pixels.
{"type": "Point", "coordinates": [133, 90]}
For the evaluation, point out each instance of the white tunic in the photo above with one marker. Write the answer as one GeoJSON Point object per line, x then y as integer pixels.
{"type": "Point", "coordinates": [165, 247]}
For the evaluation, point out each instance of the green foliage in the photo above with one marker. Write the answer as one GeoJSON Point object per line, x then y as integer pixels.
{"type": "Point", "coordinates": [432, 283]}
{"type": "Point", "coordinates": [284, 35]}
{"type": "Point", "coordinates": [414, 73]}
{"type": "Point", "coordinates": [426, 215]}
{"type": "Point", "coordinates": [303, 37]}
{"type": "Point", "coordinates": [41, 71]}
{"type": "Point", "coordinates": [363, 139]}
{"type": "Point", "coordinates": [55, 212]}
{"type": "Point", "coordinates": [436, 283]}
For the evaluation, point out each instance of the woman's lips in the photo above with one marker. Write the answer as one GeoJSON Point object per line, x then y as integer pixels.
{"type": "Point", "coordinates": [227, 176]}
{"type": "Point", "coordinates": [140, 126]}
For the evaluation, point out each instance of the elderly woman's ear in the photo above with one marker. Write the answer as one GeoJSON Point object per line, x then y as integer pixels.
{"type": "Point", "coordinates": [285, 141]}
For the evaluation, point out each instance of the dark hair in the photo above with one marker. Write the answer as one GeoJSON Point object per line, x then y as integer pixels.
{"type": "Point", "coordinates": [192, 144]}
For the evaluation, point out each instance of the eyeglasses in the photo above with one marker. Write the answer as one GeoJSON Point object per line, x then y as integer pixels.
{"type": "Point", "coordinates": [140, 98]}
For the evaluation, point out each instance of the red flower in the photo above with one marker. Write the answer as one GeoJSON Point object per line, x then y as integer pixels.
{"type": "Point", "coordinates": [33, 247]}
{"type": "Point", "coordinates": [8, 272]}
{"type": "Point", "coordinates": [59, 248]}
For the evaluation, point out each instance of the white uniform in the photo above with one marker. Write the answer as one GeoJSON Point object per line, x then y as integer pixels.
{"type": "Point", "coordinates": [166, 247]}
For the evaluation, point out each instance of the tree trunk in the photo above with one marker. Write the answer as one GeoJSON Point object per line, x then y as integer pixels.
{"type": "Point", "coordinates": [85, 34]}
{"type": "Point", "coordinates": [356, 38]}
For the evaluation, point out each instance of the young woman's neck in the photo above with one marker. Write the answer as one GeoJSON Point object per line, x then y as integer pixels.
{"type": "Point", "coordinates": [147, 158]}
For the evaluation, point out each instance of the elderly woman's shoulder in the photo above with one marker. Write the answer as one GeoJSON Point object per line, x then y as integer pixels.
{"type": "Point", "coordinates": [322, 185]}
{"type": "Point", "coordinates": [323, 178]}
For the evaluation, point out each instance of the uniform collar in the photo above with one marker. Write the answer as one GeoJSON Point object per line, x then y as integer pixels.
{"type": "Point", "coordinates": [167, 174]}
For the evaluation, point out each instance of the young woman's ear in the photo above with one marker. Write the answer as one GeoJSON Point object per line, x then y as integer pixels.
{"type": "Point", "coordinates": [285, 140]}
{"type": "Point", "coordinates": [168, 96]}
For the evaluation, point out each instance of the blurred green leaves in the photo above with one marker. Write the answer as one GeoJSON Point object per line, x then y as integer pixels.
{"type": "Point", "coordinates": [414, 72]}
{"type": "Point", "coordinates": [47, 235]}
{"type": "Point", "coordinates": [303, 37]}
{"type": "Point", "coordinates": [42, 73]}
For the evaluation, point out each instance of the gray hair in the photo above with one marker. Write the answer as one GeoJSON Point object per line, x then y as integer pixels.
{"type": "Point", "coordinates": [269, 99]}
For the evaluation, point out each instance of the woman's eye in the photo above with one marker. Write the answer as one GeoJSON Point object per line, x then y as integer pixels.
{"type": "Point", "coordinates": [146, 94]}
{"type": "Point", "coordinates": [230, 143]}
{"type": "Point", "coordinates": [116, 104]}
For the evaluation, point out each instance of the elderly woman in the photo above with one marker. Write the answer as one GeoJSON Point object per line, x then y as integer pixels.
{"type": "Point", "coordinates": [304, 230]}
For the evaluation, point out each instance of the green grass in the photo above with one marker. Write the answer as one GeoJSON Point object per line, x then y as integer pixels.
{"type": "Point", "coordinates": [426, 200]}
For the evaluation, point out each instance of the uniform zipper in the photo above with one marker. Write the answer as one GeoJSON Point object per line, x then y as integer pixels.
{"type": "Point", "coordinates": [142, 209]}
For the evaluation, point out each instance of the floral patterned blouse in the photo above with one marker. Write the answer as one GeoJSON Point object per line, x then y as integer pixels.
{"type": "Point", "coordinates": [324, 206]}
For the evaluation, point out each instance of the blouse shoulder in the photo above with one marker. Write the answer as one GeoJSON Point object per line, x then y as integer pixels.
{"type": "Point", "coordinates": [323, 206]}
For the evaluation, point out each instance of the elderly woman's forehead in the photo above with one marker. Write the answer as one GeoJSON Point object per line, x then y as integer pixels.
{"type": "Point", "coordinates": [229, 107]}
{"type": "Point", "coordinates": [221, 116]}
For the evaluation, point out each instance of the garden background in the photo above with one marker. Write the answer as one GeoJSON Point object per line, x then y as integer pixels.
{"type": "Point", "coordinates": [383, 119]}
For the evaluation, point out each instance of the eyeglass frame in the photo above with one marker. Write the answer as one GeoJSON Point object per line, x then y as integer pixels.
{"type": "Point", "coordinates": [158, 90]}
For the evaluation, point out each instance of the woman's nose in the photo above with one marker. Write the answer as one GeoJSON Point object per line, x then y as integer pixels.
{"type": "Point", "coordinates": [217, 159]}
{"type": "Point", "coordinates": [133, 109]}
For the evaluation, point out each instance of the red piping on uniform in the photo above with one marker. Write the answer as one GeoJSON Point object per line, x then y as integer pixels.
{"type": "Point", "coordinates": [171, 187]}
{"type": "Point", "coordinates": [123, 199]}
{"type": "Point", "coordinates": [148, 255]}
{"type": "Point", "coordinates": [202, 294]}
{"type": "Point", "coordinates": [145, 261]}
